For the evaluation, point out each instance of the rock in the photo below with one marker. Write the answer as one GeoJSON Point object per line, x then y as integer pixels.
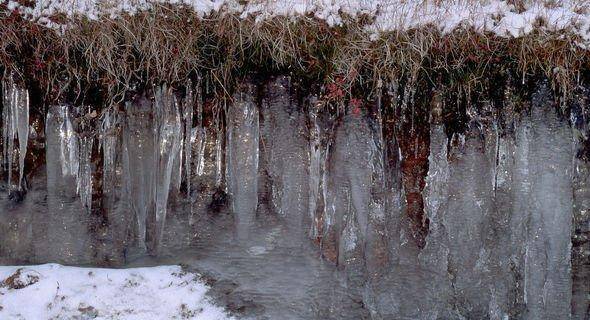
{"type": "Point", "coordinates": [20, 279]}
{"type": "Point", "coordinates": [88, 312]}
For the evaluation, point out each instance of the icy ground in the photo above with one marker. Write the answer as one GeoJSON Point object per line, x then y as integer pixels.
{"type": "Point", "coordinates": [53, 291]}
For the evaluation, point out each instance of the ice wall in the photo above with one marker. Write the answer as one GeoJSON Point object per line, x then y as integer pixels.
{"type": "Point", "coordinates": [500, 192]}
{"type": "Point", "coordinates": [548, 209]}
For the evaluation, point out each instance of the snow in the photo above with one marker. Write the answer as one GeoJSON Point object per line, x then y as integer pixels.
{"type": "Point", "coordinates": [53, 291]}
{"type": "Point", "coordinates": [494, 16]}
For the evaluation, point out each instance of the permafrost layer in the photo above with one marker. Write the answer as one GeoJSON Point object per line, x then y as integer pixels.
{"type": "Point", "coordinates": [501, 197]}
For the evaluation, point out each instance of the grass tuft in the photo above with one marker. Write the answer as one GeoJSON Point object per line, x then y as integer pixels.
{"type": "Point", "coordinates": [170, 43]}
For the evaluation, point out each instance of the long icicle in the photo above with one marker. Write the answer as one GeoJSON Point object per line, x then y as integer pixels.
{"type": "Point", "coordinates": [315, 173]}
{"type": "Point", "coordinates": [108, 140]}
{"type": "Point", "coordinates": [15, 125]}
{"type": "Point", "coordinates": [200, 135]}
{"type": "Point", "coordinates": [188, 103]}
{"type": "Point", "coordinates": [84, 182]}
{"type": "Point", "coordinates": [168, 131]}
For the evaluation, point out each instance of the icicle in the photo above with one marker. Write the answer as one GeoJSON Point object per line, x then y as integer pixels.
{"type": "Point", "coordinates": [581, 248]}
{"type": "Point", "coordinates": [7, 129]}
{"type": "Point", "coordinates": [22, 104]}
{"type": "Point", "coordinates": [139, 160]}
{"type": "Point", "coordinates": [108, 143]}
{"type": "Point", "coordinates": [227, 149]}
{"type": "Point", "coordinates": [242, 157]}
{"type": "Point", "coordinates": [75, 151]}
{"type": "Point", "coordinates": [151, 147]}
{"type": "Point", "coordinates": [84, 175]}
{"type": "Point", "coordinates": [314, 171]}
{"type": "Point", "coordinates": [65, 213]}
{"type": "Point", "coordinates": [200, 135]}
{"type": "Point", "coordinates": [379, 147]}
{"type": "Point", "coordinates": [548, 226]}
{"type": "Point", "coordinates": [496, 156]}
{"type": "Point", "coordinates": [436, 250]}
{"type": "Point", "coordinates": [377, 252]}
{"type": "Point", "coordinates": [187, 107]}
{"type": "Point", "coordinates": [168, 134]}
{"type": "Point", "coordinates": [69, 144]}
{"type": "Point", "coordinates": [178, 165]}
{"type": "Point", "coordinates": [349, 191]}
{"type": "Point", "coordinates": [218, 150]}
{"type": "Point", "coordinates": [6, 125]}
{"type": "Point", "coordinates": [84, 181]}
{"type": "Point", "coordinates": [284, 152]}
{"type": "Point", "coordinates": [15, 118]}
{"type": "Point", "coordinates": [409, 93]}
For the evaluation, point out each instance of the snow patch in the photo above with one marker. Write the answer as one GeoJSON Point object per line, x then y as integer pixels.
{"type": "Point", "coordinates": [53, 291]}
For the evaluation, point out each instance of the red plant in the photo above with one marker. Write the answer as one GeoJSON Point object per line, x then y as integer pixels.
{"type": "Point", "coordinates": [335, 90]}
{"type": "Point", "coordinates": [356, 106]}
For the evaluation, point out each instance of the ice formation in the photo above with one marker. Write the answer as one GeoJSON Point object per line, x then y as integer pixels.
{"type": "Point", "coordinates": [242, 157]}
{"type": "Point", "coordinates": [152, 141]}
{"type": "Point", "coordinates": [75, 148]}
{"type": "Point", "coordinates": [15, 127]}
{"type": "Point", "coordinates": [500, 195]}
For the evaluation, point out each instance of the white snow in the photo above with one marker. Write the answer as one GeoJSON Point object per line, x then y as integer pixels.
{"type": "Point", "coordinates": [53, 291]}
{"type": "Point", "coordinates": [495, 16]}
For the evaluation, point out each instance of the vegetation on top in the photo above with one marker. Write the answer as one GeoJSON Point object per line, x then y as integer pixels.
{"type": "Point", "coordinates": [101, 59]}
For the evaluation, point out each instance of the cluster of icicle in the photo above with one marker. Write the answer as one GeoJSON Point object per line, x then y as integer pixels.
{"type": "Point", "coordinates": [15, 127]}
{"type": "Point", "coordinates": [152, 141]}
{"type": "Point", "coordinates": [75, 147]}
{"type": "Point", "coordinates": [154, 150]}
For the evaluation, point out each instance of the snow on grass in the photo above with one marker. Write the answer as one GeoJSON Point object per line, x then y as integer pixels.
{"type": "Point", "coordinates": [501, 17]}
{"type": "Point", "coordinates": [52, 291]}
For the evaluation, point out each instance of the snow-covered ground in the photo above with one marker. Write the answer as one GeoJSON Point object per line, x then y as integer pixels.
{"type": "Point", "coordinates": [495, 16]}
{"type": "Point", "coordinates": [53, 291]}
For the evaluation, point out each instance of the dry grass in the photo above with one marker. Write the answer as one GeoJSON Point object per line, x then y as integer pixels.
{"type": "Point", "coordinates": [171, 43]}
